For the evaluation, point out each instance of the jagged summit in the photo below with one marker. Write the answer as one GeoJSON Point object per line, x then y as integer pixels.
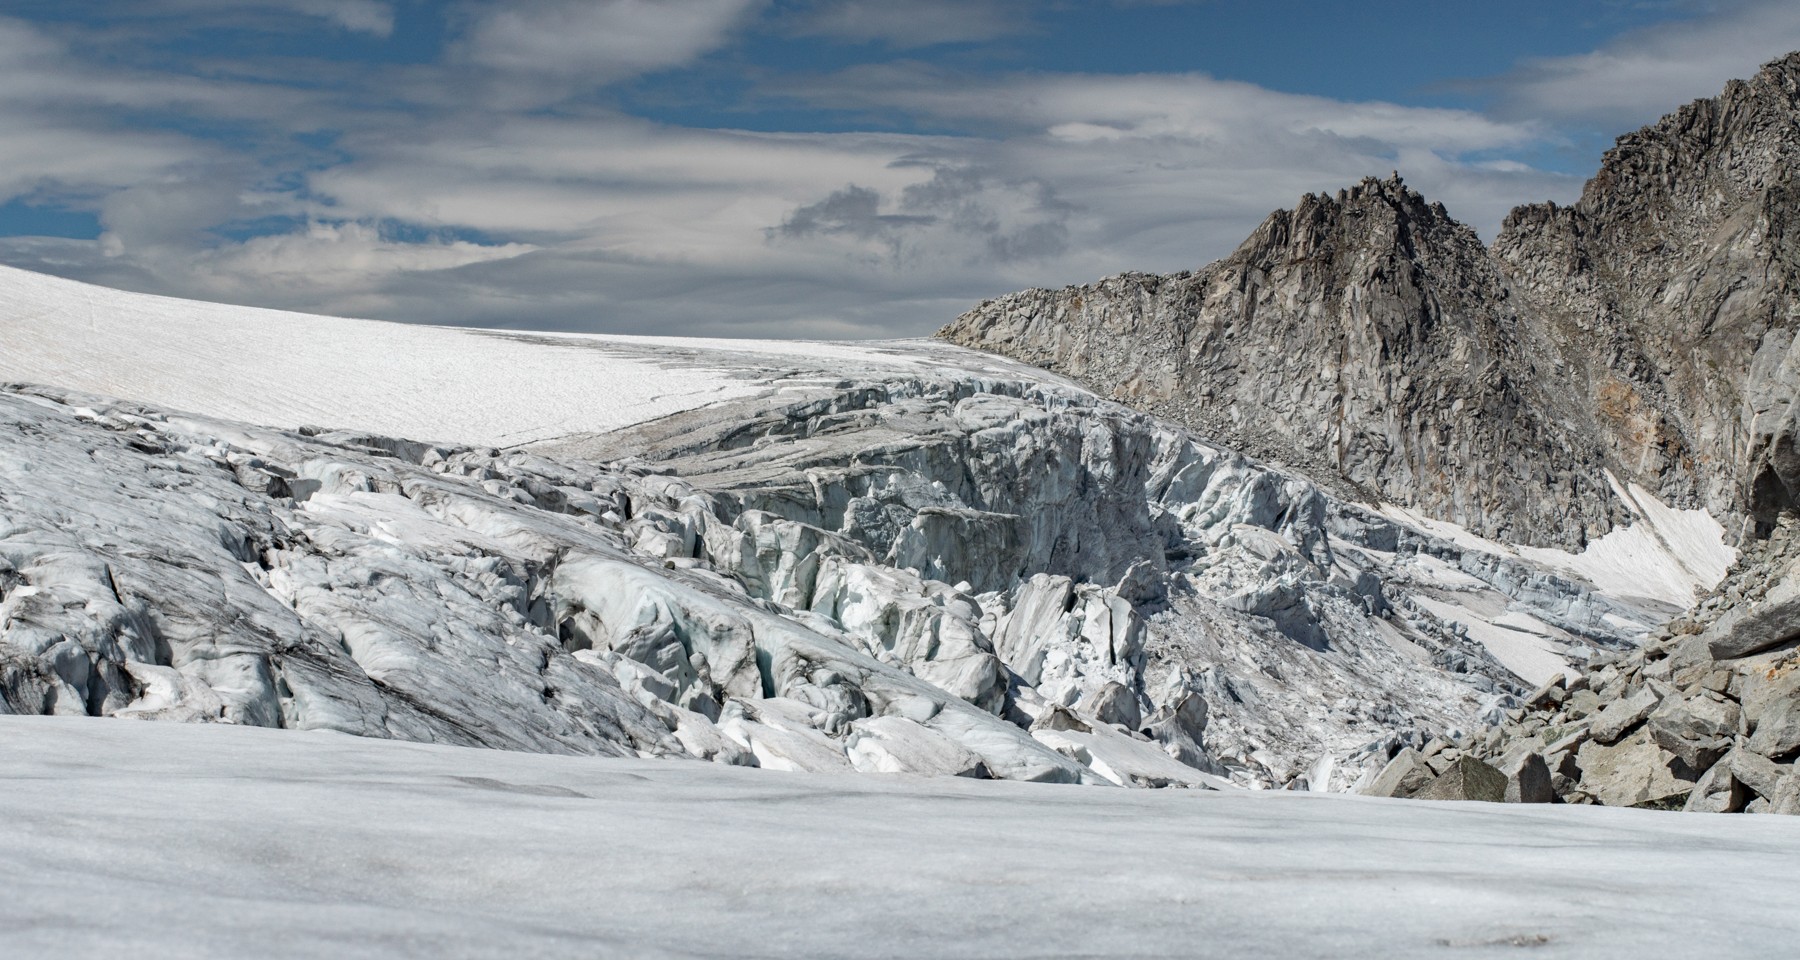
{"type": "Point", "coordinates": [1638, 337]}
{"type": "Point", "coordinates": [1365, 337]}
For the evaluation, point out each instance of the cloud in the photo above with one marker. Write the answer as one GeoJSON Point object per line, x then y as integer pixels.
{"type": "Point", "coordinates": [357, 16]}
{"type": "Point", "coordinates": [599, 40]}
{"type": "Point", "coordinates": [852, 211]}
{"type": "Point", "coordinates": [962, 215]}
{"type": "Point", "coordinates": [506, 184]}
{"type": "Point", "coordinates": [372, 17]}
{"type": "Point", "coordinates": [920, 23]}
{"type": "Point", "coordinates": [1646, 73]}
{"type": "Point", "coordinates": [337, 259]}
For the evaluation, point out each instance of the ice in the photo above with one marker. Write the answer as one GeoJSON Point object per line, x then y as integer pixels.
{"type": "Point", "coordinates": [1529, 655]}
{"type": "Point", "coordinates": [460, 385]}
{"type": "Point", "coordinates": [122, 838]}
{"type": "Point", "coordinates": [1665, 555]}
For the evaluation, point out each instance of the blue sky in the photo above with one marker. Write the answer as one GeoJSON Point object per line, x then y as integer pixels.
{"type": "Point", "coordinates": [835, 168]}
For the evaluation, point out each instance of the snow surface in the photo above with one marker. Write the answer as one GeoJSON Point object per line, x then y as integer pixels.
{"type": "Point", "coordinates": [1665, 554]}
{"type": "Point", "coordinates": [460, 385]}
{"type": "Point", "coordinates": [126, 838]}
{"type": "Point", "coordinates": [1532, 655]}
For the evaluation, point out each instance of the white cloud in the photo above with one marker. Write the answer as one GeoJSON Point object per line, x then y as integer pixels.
{"type": "Point", "coordinates": [1645, 74]}
{"type": "Point", "coordinates": [335, 259]}
{"type": "Point", "coordinates": [599, 40]}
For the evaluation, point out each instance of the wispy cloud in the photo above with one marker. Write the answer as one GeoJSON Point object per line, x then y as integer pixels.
{"type": "Point", "coordinates": [921, 23]}
{"type": "Point", "coordinates": [599, 40]}
{"type": "Point", "coordinates": [1644, 74]}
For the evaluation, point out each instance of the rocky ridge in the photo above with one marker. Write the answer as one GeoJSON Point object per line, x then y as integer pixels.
{"type": "Point", "coordinates": [1642, 336]}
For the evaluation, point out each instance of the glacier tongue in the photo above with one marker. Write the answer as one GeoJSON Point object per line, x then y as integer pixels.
{"type": "Point", "coordinates": [971, 573]}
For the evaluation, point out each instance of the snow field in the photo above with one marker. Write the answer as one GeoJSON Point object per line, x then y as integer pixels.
{"type": "Point", "coordinates": [155, 839]}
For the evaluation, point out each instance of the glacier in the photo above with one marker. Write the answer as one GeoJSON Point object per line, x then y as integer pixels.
{"type": "Point", "coordinates": [905, 556]}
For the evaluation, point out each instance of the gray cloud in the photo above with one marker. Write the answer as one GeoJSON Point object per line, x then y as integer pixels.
{"type": "Point", "coordinates": [962, 214]}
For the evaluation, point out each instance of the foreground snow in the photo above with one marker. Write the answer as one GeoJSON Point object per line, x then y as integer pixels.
{"type": "Point", "coordinates": [152, 839]}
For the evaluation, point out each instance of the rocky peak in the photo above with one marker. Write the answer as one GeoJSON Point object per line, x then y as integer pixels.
{"type": "Point", "coordinates": [1374, 216]}
{"type": "Point", "coordinates": [1643, 335]}
{"type": "Point", "coordinates": [1669, 290]}
{"type": "Point", "coordinates": [1364, 336]}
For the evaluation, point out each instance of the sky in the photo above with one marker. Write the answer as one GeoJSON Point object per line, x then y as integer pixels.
{"type": "Point", "coordinates": [783, 168]}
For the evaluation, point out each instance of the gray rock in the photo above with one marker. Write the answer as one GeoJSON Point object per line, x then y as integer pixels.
{"type": "Point", "coordinates": [1717, 791]}
{"type": "Point", "coordinates": [1786, 800]}
{"type": "Point", "coordinates": [1635, 772]}
{"type": "Point", "coordinates": [1777, 731]}
{"type": "Point", "coordinates": [1529, 781]}
{"type": "Point", "coordinates": [1620, 717]}
{"type": "Point", "coordinates": [1404, 775]}
{"type": "Point", "coordinates": [1758, 773]}
{"type": "Point", "coordinates": [1697, 729]}
{"type": "Point", "coordinates": [1550, 694]}
{"type": "Point", "coordinates": [1467, 779]}
{"type": "Point", "coordinates": [1753, 628]}
{"type": "Point", "coordinates": [1113, 703]}
{"type": "Point", "coordinates": [1582, 704]}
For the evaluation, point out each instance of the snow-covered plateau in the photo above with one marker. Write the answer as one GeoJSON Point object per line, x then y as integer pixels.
{"type": "Point", "coordinates": [166, 840]}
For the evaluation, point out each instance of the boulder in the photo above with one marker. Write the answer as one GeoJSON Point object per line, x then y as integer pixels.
{"type": "Point", "coordinates": [1467, 779]}
{"type": "Point", "coordinates": [1528, 781]}
{"type": "Point", "coordinates": [1757, 772]}
{"type": "Point", "coordinates": [1565, 772]}
{"type": "Point", "coordinates": [1113, 703]}
{"type": "Point", "coordinates": [1717, 791]}
{"type": "Point", "coordinates": [1582, 703]}
{"type": "Point", "coordinates": [1787, 795]}
{"type": "Point", "coordinates": [1635, 772]}
{"type": "Point", "coordinates": [1402, 777]}
{"type": "Point", "coordinates": [1552, 693]}
{"type": "Point", "coordinates": [1619, 717]}
{"type": "Point", "coordinates": [1777, 730]}
{"type": "Point", "coordinates": [1698, 729]}
{"type": "Point", "coordinates": [1761, 691]}
{"type": "Point", "coordinates": [1753, 628]}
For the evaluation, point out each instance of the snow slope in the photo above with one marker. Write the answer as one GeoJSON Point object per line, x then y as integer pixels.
{"type": "Point", "coordinates": [121, 838]}
{"type": "Point", "coordinates": [452, 384]}
{"type": "Point", "coordinates": [1665, 555]}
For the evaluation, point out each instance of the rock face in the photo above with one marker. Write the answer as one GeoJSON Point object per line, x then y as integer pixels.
{"type": "Point", "coordinates": [1643, 336]}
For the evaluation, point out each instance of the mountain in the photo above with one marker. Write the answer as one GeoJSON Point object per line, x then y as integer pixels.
{"type": "Point", "coordinates": [1637, 340]}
